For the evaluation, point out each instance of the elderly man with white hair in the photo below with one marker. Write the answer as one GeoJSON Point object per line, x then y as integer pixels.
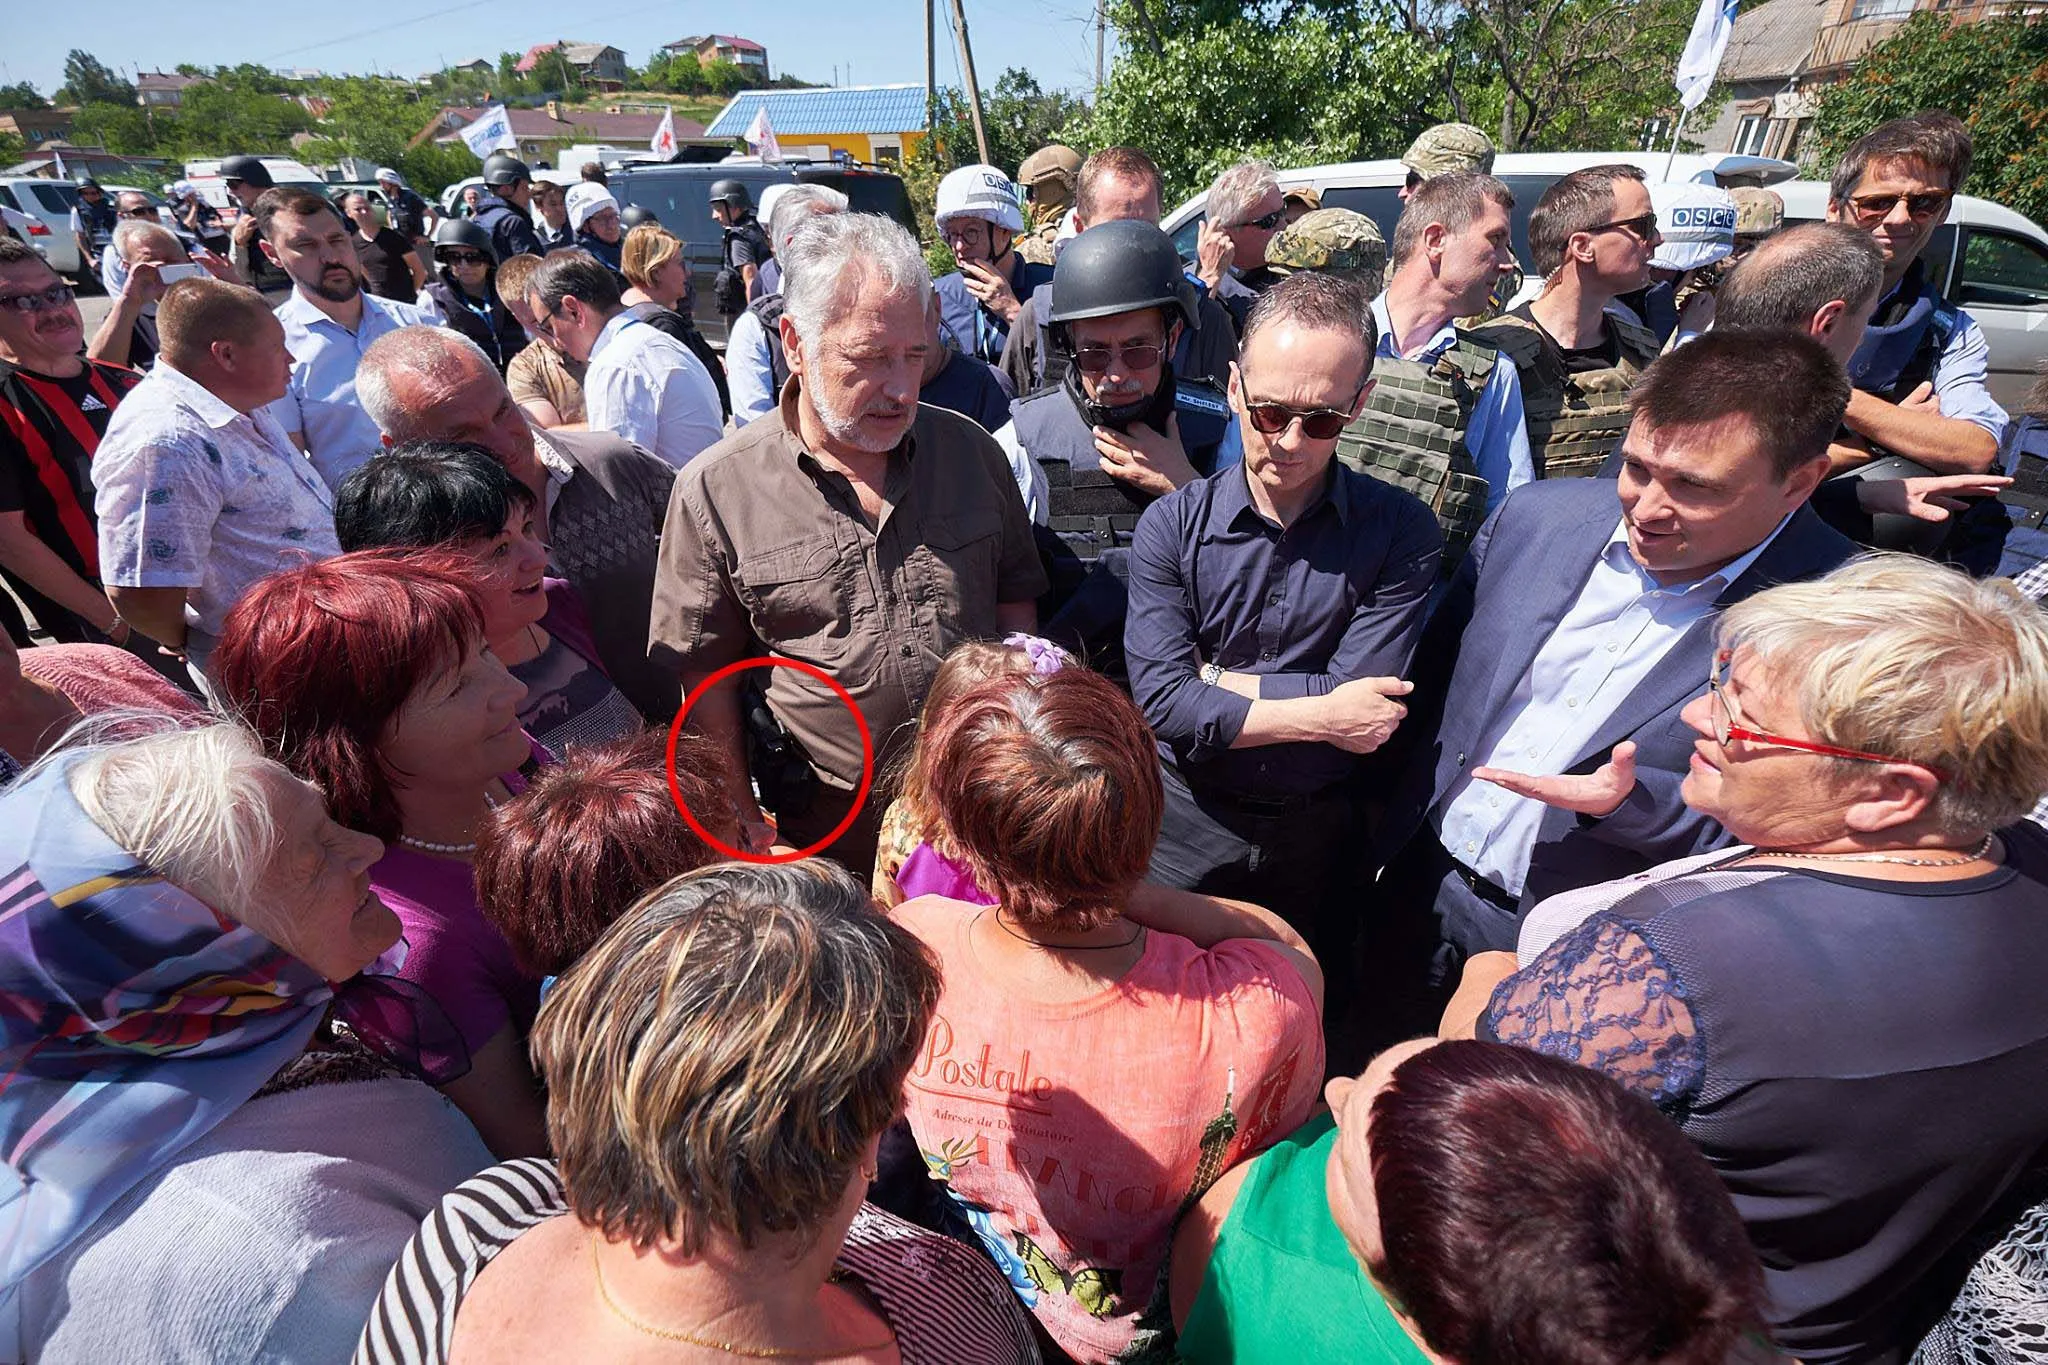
{"type": "Point", "coordinates": [754, 367]}
{"type": "Point", "coordinates": [599, 499]}
{"type": "Point", "coordinates": [146, 254]}
{"type": "Point", "coordinates": [851, 529]}
{"type": "Point", "coordinates": [1242, 213]}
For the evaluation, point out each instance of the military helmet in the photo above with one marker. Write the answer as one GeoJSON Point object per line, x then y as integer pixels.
{"type": "Point", "coordinates": [1449, 147]}
{"type": "Point", "coordinates": [463, 232]}
{"type": "Point", "coordinates": [1050, 163]}
{"type": "Point", "coordinates": [503, 168]}
{"type": "Point", "coordinates": [1758, 213]}
{"type": "Point", "coordinates": [247, 169]}
{"type": "Point", "coordinates": [634, 215]}
{"type": "Point", "coordinates": [84, 178]}
{"type": "Point", "coordinates": [731, 193]}
{"type": "Point", "coordinates": [1339, 241]}
{"type": "Point", "coordinates": [1119, 267]}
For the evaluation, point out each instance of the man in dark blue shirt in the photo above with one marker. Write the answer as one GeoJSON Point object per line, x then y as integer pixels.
{"type": "Point", "coordinates": [1273, 608]}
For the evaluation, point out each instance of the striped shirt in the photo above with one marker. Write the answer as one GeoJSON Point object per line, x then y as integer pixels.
{"type": "Point", "coordinates": [944, 1302]}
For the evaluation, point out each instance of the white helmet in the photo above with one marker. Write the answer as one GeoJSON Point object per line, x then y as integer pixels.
{"type": "Point", "coordinates": [1697, 223]}
{"type": "Point", "coordinates": [978, 192]}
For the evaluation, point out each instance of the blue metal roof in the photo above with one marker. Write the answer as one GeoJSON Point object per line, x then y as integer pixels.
{"type": "Point", "coordinates": [797, 113]}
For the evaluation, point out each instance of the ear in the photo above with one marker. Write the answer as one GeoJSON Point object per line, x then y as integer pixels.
{"type": "Point", "coordinates": [1235, 389]}
{"type": "Point", "coordinates": [222, 353]}
{"type": "Point", "coordinates": [1433, 238]}
{"type": "Point", "coordinates": [269, 252]}
{"type": "Point", "coordinates": [1826, 318]}
{"type": "Point", "coordinates": [1364, 396]}
{"type": "Point", "coordinates": [1799, 487]}
{"type": "Point", "coordinates": [792, 345]}
{"type": "Point", "coordinates": [1837, 210]}
{"type": "Point", "coordinates": [1900, 795]}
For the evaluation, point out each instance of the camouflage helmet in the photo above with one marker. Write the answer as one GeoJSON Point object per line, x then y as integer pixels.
{"type": "Point", "coordinates": [1336, 240]}
{"type": "Point", "coordinates": [1449, 147]}
{"type": "Point", "coordinates": [1758, 213]}
{"type": "Point", "coordinates": [1053, 162]}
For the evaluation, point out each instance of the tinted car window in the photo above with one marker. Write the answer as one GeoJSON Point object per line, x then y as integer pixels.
{"type": "Point", "coordinates": [2000, 269]}
{"type": "Point", "coordinates": [883, 194]}
{"type": "Point", "coordinates": [55, 198]}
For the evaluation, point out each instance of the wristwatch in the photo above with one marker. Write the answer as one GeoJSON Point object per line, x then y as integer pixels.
{"type": "Point", "coordinates": [1212, 674]}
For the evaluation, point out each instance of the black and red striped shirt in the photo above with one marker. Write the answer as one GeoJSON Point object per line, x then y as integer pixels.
{"type": "Point", "coordinates": [49, 429]}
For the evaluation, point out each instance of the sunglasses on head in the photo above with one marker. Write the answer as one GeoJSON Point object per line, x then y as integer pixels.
{"type": "Point", "coordinates": [1643, 226]}
{"type": "Point", "coordinates": [1098, 359]}
{"type": "Point", "coordinates": [1873, 207]}
{"type": "Point", "coordinates": [465, 258]}
{"type": "Point", "coordinates": [1318, 424]}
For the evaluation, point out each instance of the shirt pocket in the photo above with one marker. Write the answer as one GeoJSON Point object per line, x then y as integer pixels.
{"type": "Point", "coordinates": [958, 563]}
{"type": "Point", "coordinates": [799, 600]}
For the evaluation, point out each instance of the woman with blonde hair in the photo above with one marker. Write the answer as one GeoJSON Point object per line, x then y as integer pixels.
{"type": "Point", "coordinates": [720, 1067]}
{"type": "Point", "coordinates": [660, 294]}
{"type": "Point", "coordinates": [1845, 1010]}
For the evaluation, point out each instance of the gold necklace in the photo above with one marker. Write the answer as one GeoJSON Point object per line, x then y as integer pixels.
{"type": "Point", "coordinates": [1969, 857]}
{"type": "Point", "coordinates": [728, 1347]}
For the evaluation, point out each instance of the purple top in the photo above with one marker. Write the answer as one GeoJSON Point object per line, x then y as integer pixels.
{"type": "Point", "coordinates": [928, 872]}
{"type": "Point", "coordinates": [453, 952]}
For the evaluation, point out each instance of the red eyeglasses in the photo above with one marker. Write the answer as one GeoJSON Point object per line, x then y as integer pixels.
{"type": "Point", "coordinates": [1727, 727]}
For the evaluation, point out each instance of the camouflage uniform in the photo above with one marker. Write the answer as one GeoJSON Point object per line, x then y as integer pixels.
{"type": "Point", "coordinates": [1048, 175]}
{"type": "Point", "coordinates": [1412, 432]}
{"type": "Point", "coordinates": [1758, 214]}
{"type": "Point", "coordinates": [1449, 147]}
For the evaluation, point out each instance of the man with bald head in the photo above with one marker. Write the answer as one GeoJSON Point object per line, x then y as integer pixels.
{"type": "Point", "coordinates": [1116, 184]}
{"type": "Point", "coordinates": [601, 499]}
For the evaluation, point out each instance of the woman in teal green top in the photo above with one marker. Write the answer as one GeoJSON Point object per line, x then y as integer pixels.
{"type": "Point", "coordinates": [1471, 1204]}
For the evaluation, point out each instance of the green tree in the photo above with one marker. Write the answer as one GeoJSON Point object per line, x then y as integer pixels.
{"type": "Point", "coordinates": [1299, 91]}
{"type": "Point", "coordinates": [127, 130]}
{"type": "Point", "coordinates": [553, 73]}
{"type": "Point", "coordinates": [725, 78]}
{"type": "Point", "coordinates": [1020, 117]}
{"type": "Point", "coordinates": [224, 115]}
{"type": "Point", "coordinates": [21, 95]}
{"type": "Point", "coordinates": [1989, 74]}
{"type": "Point", "coordinates": [88, 81]}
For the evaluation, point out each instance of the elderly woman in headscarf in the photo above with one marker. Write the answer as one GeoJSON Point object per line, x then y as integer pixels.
{"type": "Point", "coordinates": [211, 1112]}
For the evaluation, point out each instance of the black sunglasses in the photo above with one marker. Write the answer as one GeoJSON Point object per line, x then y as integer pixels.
{"type": "Point", "coordinates": [465, 258]}
{"type": "Point", "coordinates": [1643, 226]}
{"type": "Point", "coordinates": [1271, 220]}
{"type": "Point", "coordinates": [143, 211]}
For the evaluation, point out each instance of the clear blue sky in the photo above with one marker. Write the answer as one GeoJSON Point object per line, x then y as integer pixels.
{"type": "Point", "coordinates": [879, 43]}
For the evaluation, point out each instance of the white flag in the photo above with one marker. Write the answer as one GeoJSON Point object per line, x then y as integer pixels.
{"type": "Point", "coordinates": [1703, 49]}
{"type": "Point", "coordinates": [489, 132]}
{"type": "Point", "coordinates": [62, 174]}
{"type": "Point", "coordinates": [761, 137]}
{"type": "Point", "coordinates": [663, 143]}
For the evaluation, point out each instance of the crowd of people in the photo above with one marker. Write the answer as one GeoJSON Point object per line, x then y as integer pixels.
{"type": "Point", "coordinates": [1334, 805]}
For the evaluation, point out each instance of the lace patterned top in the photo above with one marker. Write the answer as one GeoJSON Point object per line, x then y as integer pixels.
{"type": "Point", "coordinates": [1860, 1059]}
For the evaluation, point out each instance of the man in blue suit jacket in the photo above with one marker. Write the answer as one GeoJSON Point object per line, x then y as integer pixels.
{"type": "Point", "coordinates": [1543, 749]}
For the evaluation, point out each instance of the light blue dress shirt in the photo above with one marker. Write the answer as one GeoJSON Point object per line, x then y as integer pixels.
{"type": "Point", "coordinates": [749, 370]}
{"type": "Point", "coordinates": [646, 386]}
{"type": "Point", "coordinates": [320, 407]}
{"type": "Point", "coordinates": [1959, 379]}
{"type": "Point", "coordinates": [1496, 436]}
{"type": "Point", "coordinates": [1622, 625]}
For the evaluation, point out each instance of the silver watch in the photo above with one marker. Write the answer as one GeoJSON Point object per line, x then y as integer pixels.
{"type": "Point", "coordinates": [1212, 674]}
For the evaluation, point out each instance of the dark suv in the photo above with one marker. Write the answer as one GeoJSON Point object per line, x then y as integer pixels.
{"type": "Point", "coordinates": [679, 195]}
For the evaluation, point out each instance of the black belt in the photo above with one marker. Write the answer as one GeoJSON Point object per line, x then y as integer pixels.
{"type": "Point", "coordinates": [1479, 886]}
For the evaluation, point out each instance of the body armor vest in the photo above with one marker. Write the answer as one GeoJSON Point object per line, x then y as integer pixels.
{"type": "Point", "coordinates": [767, 311]}
{"type": "Point", "coordinates": [1412, 435]}
{"type": "Point", "coordinates": [1574, 419]}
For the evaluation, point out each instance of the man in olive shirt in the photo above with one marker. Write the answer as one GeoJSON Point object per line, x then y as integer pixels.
{"type": "Point", "coordinates": [850, 528]}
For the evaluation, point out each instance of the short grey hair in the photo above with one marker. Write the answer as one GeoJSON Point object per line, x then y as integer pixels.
{"type": "Point", "coordinates": [1238, 191]}
{"type": "Point", "coordinates": [134, 230]}
{"type": "Point", "coordinates": [798, 203]}
{"type": "Point", "coordinates": [440, 356]}
{"type": "Point", "coordinates": [835, 253]}
{"type": "Point", "coordinates": [189, 801]}
{"type": "Point", "coordinates": [1793, 274]}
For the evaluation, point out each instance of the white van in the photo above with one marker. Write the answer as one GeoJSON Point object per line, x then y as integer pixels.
{"type": "Point", "coordinates": [205, 178]}
{"type": "Point", "coordinates": [1986, 259]}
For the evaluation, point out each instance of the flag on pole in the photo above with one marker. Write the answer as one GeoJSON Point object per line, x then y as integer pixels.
{"type": "Point", "coordinates": [761, 137]}
{"type": "Point", "coordinates": [62, 174]}
{"type": "Point", "coordinates": [1702, 56]}
{"type": "Point", "coordinates": [663, 143]}
{"type": "Point", "coordinates": [489, 132]}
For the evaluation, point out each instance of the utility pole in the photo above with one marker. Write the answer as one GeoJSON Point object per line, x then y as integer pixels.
{"type": "Point", "coordinates": [973, 84]}
{"type": "Point", "coordinates": [1101, 23]}
{"type": "Point", "coordinates": [931, 69]}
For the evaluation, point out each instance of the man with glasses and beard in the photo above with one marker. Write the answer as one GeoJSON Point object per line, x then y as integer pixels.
{"type": "Point", "coordinates": [1591, 235]}
{"type": "Point", "coordinates": [852, 528]}
{"type": "Point", "coordinates": [1919, 373]}
{"type": "Point", "coordinates": [329, 321]}
{"type": "Point", "coordinates": [1273, 609]}
{"type": "Point", "coordinates": [1118, 430]}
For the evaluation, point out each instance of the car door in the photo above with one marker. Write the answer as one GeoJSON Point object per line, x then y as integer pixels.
{"type": "Point", "coordinates": [2002, 279]}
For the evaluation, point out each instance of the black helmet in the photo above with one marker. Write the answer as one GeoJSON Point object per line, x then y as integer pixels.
{"type": "Point", "coordinates": [503, 168]}
{"type": "Point", "coordinates": [731, 193]}
{"type": "Point", "coordinates": [248, 170]}
{"type": "Point", "coordinates": [463, 232]}
{"type": "Point", "coordinates": [1119, 267]}
{"type": "Point", "coordinates": [84, 178]}
{"type": "Point", "coordinates": [635, 216]}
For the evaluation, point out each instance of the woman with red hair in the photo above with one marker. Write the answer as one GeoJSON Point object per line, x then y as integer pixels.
{"type": "Point", "coordinates": [1100, 1053]}
{"type": "Point", "coordinates": [368, 676]}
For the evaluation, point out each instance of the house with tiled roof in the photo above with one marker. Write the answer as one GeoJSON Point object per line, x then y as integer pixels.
{"type": "Point", "coordinates": [723, 47]}
{"type": "Point", "coordinates": [597, 64]}
{"type": "Point", "coordinates": [545, 131]}
{"type": "Point", "coordinates": [873, 123]}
